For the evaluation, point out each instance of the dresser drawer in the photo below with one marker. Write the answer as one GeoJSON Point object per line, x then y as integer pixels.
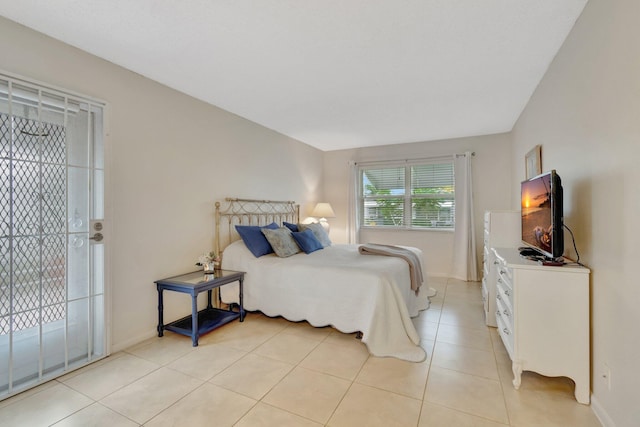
{"type": "Point", "coordinates": [506, 312]}
{"type": "Point", "coordinates": [505, 332]}
{"type": "Point", "coordinates": [504, 285]}
{"type": "Point", "coordinates": [505, 275]}
{"type": "Point", "coordinates": [504, 295]}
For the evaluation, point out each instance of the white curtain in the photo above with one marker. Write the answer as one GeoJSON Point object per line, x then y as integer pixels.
{"type": "Point", "coordinates": [465, 264]}
{"type": "Point", "coordinates": [352, 220]}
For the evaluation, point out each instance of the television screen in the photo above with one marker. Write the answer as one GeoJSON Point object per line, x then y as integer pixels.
{"type": "Point", "coordinates": [542, 214]}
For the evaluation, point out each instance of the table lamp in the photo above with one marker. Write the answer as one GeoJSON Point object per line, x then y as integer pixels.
{"type": "Point", "coordinates": [323, 211]}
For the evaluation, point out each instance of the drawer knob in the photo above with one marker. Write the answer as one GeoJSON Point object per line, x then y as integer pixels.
{"type": "Point", "coordinates": [506, 331]}
{"type": "Point", "coordinates": [507, 293]}
{"type": "Point", "coordinates": [506, 313]}
{"type": "Point", "coordinates": [499, 297]}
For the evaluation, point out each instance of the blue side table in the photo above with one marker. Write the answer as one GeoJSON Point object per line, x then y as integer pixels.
{"type": "Point", "coordinates": [206, 320]}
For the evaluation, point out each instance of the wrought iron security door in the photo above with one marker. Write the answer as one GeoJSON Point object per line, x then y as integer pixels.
{"type": "Point", "coordinates": [51, 274]}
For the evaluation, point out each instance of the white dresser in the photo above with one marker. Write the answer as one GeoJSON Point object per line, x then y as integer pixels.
{"type": "Point", "coordinates": [542, 314]}
{"type": "Point", "coordinates": [501, 229]}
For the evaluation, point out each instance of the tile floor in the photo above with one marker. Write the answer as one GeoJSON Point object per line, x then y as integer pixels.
{"type": "Point", "coordinates": [270, 372]}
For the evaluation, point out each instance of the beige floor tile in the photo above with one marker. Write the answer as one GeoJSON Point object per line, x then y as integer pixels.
{"type": "Point", "coordinates": [437, 282]}
{"type": "Point", "coordinates": [252, 375]}
{"type": "Point", "coordinates": [148, 396]}
{"type": "Point", "coordinates": [534, 408]}
{"type": "Point", "coordinates": [467, 393]}
{"type": "Point", "coordinates": [312, 395]}
{"type": "Point", "coordinates": [504, 370]}
{"type": "Point", "coordinates": [96, 415]}
{"type": "Point", "coordinates": [27, 393]}
{"type": "Point", "coordinates": [256, 316]}
{"type": "Point", "coordinates": [436, 301]}
{"type": "Point", "coordinates": [426, 329]}
{"type": "Point", "coordinates": [457, 282]}
{"type": "Point", "coordinates": [470, 303]}
{"type": "Point", "coordinates": [464, 314]}
{"type": "Point", "coordinates": [341, 338]}
{"type": "Point", "coordinates": [44, 408]}
{"type": "Point", "coordinates": [110, 376]}
{"type": "Point", "coordinates": [476, 338]}
{"type": "Point", "coordinates": [247, 335]}
{"type": "Point", "coordinates": [531, 381]}
{"type": "Point", "coordinates": [344, 361]}
{"type": "Point", "coordinates": [439, 416]}
{"type": "Point", "coordinates": [465, 291]}
{"type": "Point", "coordinates": [472, 361]}
{"type": "Point", "coordinates": [206, 405]}
{"type": "Point", "coordinates": [93, 365]}
{"type": "Point", "coordinates": [163, 350]}
{"type": "Point", "coordinates": [432, 314]}
{"type": "Point", "coordinates": [206, 360]}
{"type": "Point", "coordinates": [428, 346]}
{"type": "Point", "coordinates": [371, 407]}
{"type": "Point", "coordinates": [267, 416]}
{"type": "Point", "coordinates": [272, 372]}
{"type": "Point", "coordinates": [287, 348]}
{"type": "Point", "coordinates": [305, 330]}
{"type": "Point", "coordinates": [398, 376]}
{"type": "Point", "coordinates": [497, 344]}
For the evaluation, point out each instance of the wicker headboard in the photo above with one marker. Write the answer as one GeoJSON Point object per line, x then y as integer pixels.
{"type": "Point", "coordinates": [250, 212]}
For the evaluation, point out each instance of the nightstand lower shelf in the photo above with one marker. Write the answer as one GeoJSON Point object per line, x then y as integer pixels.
{"type": "Point", "coordinates": [208, 320]}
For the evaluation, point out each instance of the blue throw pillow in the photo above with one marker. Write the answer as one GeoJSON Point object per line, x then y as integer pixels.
{"type": "Point", "coordinates": [307, 241]}
{"type": "Point", "coordinates": [254, 239]}
{"type": "Point", "coordinates": [290, 226]}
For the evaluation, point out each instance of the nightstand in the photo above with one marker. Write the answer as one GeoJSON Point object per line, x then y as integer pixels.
{"type": "Point", "coordinates": [208, 319]}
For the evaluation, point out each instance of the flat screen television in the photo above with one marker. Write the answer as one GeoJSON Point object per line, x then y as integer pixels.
{"type": "Point", "coordinates": [542, 227]}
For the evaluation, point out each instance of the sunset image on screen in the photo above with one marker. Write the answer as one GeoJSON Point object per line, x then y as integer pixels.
{"type": "Point", "coordinates": [536, 212]}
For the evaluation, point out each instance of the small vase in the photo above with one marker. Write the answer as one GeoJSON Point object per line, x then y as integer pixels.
{"type": "Point", "coordinates": [209, 267]}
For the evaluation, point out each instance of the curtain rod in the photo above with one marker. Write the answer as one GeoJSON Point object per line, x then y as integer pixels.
{"type": "Point", "coordinates": [442, 157]}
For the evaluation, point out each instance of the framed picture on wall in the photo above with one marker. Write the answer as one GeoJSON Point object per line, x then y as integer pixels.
{"type": "Point", "coordinates": [532, 162]}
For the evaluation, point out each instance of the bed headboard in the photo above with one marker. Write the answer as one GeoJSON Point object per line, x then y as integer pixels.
{"type": "Point", "coordinates": [250, 212]}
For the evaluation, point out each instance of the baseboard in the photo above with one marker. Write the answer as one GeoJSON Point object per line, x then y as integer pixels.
{"type": "Point", "coordinates": [601, 414]}
{"type": "Point", "coordinates": [130, 342]}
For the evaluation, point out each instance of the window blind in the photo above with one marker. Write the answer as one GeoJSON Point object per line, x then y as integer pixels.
{"type": "Point", "coordinates": [408, 196]}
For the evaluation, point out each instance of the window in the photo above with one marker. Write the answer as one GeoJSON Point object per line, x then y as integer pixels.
{"type": "Point", "coordinates": [415, 196]}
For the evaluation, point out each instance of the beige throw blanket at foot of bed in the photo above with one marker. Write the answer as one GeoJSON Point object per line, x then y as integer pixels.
{"type": "Point", "coordinates": [415, 266]}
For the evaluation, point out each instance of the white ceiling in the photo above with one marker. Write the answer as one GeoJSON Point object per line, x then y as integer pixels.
{"type": "Point", "coordinates": [333, 73]}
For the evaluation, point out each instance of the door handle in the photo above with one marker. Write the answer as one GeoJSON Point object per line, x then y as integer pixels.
{"type": "Point", "coordinates": [97, 237]}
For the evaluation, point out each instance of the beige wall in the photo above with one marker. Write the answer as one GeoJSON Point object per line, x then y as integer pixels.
{"type": "Point", "coordinates": [491, 174]}
{"type": "Point", "coordinates": [169, 158]}
{"type": "Point", "coordinates": [586, 115]}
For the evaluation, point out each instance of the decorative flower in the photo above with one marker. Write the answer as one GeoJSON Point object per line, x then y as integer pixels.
{"type": "Point", "coordinates": [208, 257]}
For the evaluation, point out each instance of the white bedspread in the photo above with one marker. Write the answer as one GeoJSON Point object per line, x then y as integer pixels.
{"type": "Point", "coordinates": [335, 286]}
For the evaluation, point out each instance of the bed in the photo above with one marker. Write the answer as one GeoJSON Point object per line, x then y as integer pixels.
{"type": "Point", "coordinates": [335, 286]}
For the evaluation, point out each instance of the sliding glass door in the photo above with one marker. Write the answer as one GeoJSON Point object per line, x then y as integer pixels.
{"type": "Point", "coordinates": [52, 287]}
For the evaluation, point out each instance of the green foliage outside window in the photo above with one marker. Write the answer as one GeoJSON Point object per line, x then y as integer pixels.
{"type": "Point", "coordinates": [424, 201]}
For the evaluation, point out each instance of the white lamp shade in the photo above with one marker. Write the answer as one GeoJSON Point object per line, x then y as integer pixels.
{"type": "Point", "coordinates": [323, 210]}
